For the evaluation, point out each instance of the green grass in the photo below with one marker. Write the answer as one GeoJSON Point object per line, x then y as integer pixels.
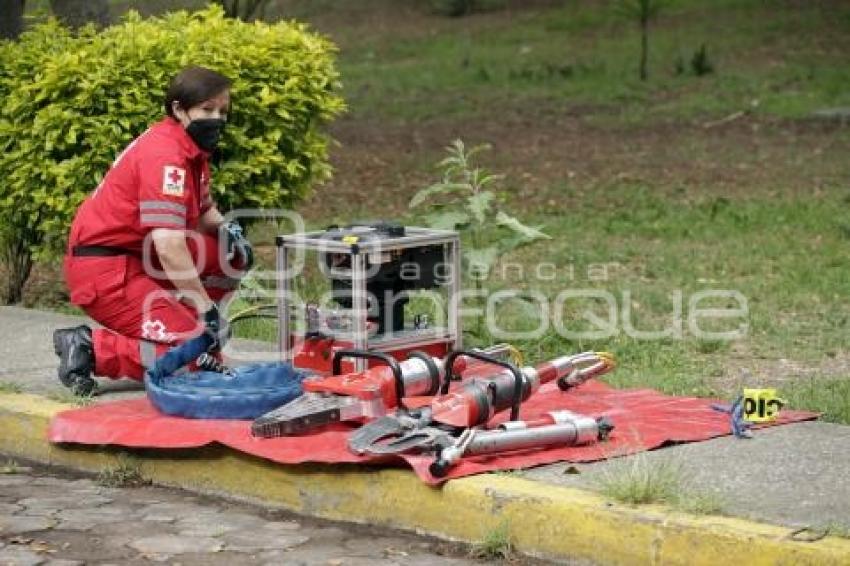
{"type": "Point", "coordinates": [640, 479]}
{"type": "Point", "coordinates": [698, 503]}
{"type": "Point", "coordinates": [9, 387]}
{"type": "Point", "coordinates": [11, 467]}
{"type": "Point", "coordinates": [496, 544]}
{"type": "Point", "coordinates": [69, 398]}
{"type": "Point", "coordinates": [837, 530]}
{"type": "Point", "coordinates": [770, 57]}
{"type": "Point", "coordinates": [126, 472]}
{"type": "Point", "coordinates": [585, 53]}
{"type": "Point", "coordinates": [829, 396]}
{"type": "Point", "coordinates": [784, 255]}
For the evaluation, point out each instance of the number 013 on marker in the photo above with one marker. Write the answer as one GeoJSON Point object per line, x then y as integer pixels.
{"type": "Point", "coordinates": [761, 405]}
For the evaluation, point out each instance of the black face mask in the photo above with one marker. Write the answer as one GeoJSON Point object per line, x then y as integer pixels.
{"type": "Point", "coordinates": [205, 132]}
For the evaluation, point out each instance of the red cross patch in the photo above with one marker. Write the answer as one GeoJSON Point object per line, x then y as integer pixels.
{"type": "Point", "coordinates": [173, 179]}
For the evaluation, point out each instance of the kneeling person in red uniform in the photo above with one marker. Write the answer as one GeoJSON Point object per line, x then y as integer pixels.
{"type": "Point", "coordinates": [143, 254]}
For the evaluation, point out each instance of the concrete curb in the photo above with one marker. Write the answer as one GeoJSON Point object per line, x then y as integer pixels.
{"type": "Point", "coordinates": [541, 520]}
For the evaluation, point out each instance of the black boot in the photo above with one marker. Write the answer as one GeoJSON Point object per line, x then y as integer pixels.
{"type": "Point", "coordinates": [76, 359]}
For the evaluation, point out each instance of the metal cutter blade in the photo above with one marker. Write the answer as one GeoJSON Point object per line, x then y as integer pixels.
{"type": "Point", "coordinates": [392, 434]}
{"type": "Point", "coordinates": [310, 411]}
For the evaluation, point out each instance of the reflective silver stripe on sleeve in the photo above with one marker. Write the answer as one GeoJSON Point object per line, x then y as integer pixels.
{"type": "Point", "coordinates": [147, 352]}
{"type": "Point", "coordinates": [172, 219]}
{"type": "Point", "coordinates": [162, 205]}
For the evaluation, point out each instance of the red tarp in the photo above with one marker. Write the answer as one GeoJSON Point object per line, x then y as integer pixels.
{"type": "Point", "coordinates": [644, 419]}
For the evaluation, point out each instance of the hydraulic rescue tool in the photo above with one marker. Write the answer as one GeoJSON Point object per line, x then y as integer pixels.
{"type": "Point", "coordinates": [361, 395]}
{"type": "Point", "coordinates": [557, 428]}
{"type": "Point", "coordinates": [474, 401]}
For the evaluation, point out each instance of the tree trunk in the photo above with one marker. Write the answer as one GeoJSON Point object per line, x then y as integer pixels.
{"type": "Point", "coordinates": [11, 18]}
{"type": "Point", "coordinates": [17, 260]}
{"type": "Point", "coordinates": [77, 13]}
{"type": "Point", "coordinates": [644, 47]}
{"type": "Point", "coordinates": [246, 10]}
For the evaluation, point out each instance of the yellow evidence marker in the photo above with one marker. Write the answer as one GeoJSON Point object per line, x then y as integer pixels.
{"type": "Point", "coordinates": [761, 405]}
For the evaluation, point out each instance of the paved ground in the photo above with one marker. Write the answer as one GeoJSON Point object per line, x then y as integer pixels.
{"type": "Point", "coordinates": [792, 475]}
{"type": "Point", "coordinates": [64, 521]}
{"type": "Point", "coordinates": [27, 358]}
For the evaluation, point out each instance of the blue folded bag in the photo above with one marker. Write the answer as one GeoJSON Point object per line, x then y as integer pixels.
{"type": "Point", "coordinates": [245, 392]}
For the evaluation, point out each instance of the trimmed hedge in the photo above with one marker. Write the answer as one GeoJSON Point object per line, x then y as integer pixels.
{"type": "Point", "coordinates": [69, 103]}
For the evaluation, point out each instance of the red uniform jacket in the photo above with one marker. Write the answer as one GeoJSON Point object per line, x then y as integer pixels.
{"type": "Point", "coordinates": [161, 180]}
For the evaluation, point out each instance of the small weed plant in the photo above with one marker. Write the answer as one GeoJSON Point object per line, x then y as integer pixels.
{"type": "Point", "coordinates": [496, 544]}
{"type": "Point", "coordinates": [464, 200]}
{"type": "Point", "coordinates": [126, 472]}
{"type": "Point", "coordinates": [639, 479]}
{"type": "Point", "coordinates": [701, 64]}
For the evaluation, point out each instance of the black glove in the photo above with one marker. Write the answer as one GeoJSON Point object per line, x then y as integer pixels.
{"type": "Point", "coordinates": [239, 251]}
{"type": "Point", "coordinates": [216, 328]}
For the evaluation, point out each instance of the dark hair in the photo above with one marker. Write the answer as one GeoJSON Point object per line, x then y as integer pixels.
{"type": "Point", "coordinates": [193, 85]}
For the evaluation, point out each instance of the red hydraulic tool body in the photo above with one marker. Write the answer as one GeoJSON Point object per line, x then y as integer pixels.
{"type": "Point", "coordinates": [449, 424]}
{"type": "Point", "coordinates": [358, 396]}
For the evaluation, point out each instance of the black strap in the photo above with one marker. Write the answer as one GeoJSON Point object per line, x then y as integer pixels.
{"type": "Point", "coordinates": [100, 251]}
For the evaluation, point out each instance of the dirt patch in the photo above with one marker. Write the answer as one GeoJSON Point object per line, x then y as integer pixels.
{"type": "Point", "coordinates": [385, 21]}
{"type": "Point", "coordinates": [554, 156]}
{"type": "Point", "coordinates": [741, 367]}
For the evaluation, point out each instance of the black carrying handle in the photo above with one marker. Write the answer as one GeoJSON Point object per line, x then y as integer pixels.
{"type": "Point", "coordinates": [370, 355]}
{"type": "Point", "coordinates": [454, 355]}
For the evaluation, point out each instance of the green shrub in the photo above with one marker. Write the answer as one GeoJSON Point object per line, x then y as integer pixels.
{"type": "Point", "coordinates": [71, 103]}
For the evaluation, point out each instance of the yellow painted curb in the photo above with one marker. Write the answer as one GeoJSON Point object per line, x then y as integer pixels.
{"type": "Point", "coordinates": [540, 519]}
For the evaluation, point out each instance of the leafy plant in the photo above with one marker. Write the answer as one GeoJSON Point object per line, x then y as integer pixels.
{"type": "Point", "coordinates": [72, 102]}
{"type": "Point", "coordinates": [462, 201]}
{"type": "Point", "coordinates": [700, 62]}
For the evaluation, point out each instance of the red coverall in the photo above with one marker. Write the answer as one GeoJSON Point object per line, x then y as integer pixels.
{"type": "Point", "coordinates": [161, 180]}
